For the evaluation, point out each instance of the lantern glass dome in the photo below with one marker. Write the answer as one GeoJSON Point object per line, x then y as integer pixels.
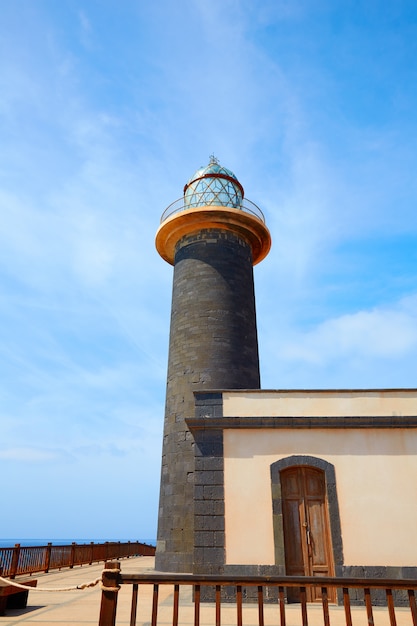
{"type": "Point", "coordinates": [213, 185]}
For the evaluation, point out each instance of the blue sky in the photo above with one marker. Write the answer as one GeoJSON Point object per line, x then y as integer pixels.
{"type": "Point", "coordinates": [106, 110]}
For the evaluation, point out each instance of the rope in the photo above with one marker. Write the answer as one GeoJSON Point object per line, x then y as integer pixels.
{"type": "Point", "coordinates": [113, 589]}
{"type": "Point", "coordinates": [4, 582]}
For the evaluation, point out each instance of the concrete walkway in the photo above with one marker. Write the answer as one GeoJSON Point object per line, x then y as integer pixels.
{"type": "Point", "coordinates": [83, 606]}
{"type": "Point", "coordinates": [71, 607]}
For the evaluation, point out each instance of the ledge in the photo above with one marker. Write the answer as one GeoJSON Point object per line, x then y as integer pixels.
{"type": "Point", "coordinates": [224, 423]}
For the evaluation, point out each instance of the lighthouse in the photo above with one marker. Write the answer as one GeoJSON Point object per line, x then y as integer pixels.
{"type": "Point", "coordinates": [213, 236]}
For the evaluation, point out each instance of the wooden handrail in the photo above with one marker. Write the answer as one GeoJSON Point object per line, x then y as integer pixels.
{"type": "Point", "coordinates": [253, 581]}
{"type": "Point", "coordinates": [113, 579]}
{"type": "Point", "coordinates": [21, 560]}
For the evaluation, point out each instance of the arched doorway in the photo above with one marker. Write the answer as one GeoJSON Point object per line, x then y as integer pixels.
{"type": "Point", "coordinates": [307, 540]}
{"type": "Point", "coordinates": [306, 519]}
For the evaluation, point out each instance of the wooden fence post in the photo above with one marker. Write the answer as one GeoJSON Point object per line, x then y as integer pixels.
{"type": "Point", "coordinates": [72, 557]}
{"type": "Point", "coordinates": [110, 588]}
{"type": "Point", "coordinates": [3, 600]}
{"type": "Point", "coordinates": [15, 560]}
{"type": "Point", "coordinates": [47, 557]}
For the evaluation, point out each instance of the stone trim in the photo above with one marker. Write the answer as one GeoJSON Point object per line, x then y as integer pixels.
{"type": "Point", "coordinates": [378, 571]}
{"type": "Point", "coordinates": [206, 418]}
{"type": "Point", "coordinates": [333, 505]}
{"type": "Point", "coordinates": [326, 390]}
{"type": "Point", "coordinates": [211, 236]}
{"type": "Point", "coordinates": [347, 571]}
{"type": "Point", "coordinates": [208, 405]}
{"type": "Point", "coordinates": [209, 522]}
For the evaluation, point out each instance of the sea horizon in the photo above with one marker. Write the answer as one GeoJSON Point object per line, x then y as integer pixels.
{"type": "Point", "coordinates": [36, 542]}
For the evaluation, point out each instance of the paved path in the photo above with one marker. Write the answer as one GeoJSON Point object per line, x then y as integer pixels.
{"type": "Point", "coordinates": [83, 606]}
{"type": "Point", "coordinates": [70, 607]}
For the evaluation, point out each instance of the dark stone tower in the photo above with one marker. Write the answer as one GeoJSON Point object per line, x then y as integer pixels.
{"type": "Point", "coordinates": [213, 238]}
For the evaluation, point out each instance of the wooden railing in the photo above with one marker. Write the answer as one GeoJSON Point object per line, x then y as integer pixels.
{"type": "Point", "coordinates": [361, 592]}
{"type": "Point", "coordinates": [31, 559]}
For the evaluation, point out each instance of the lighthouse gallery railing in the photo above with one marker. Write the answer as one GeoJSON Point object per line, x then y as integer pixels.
{"type": "Point", "coordinates": [247, 206]}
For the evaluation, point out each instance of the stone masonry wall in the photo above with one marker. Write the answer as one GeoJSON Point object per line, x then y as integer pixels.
{"type": "Point", "coordinates": [213, 345]}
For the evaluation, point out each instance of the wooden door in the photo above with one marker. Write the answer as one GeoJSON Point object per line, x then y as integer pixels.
{"type": "Point", "coordinates": [307, 539]}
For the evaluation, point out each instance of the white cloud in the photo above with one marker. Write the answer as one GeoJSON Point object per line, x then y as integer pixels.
{"type": "Point", "coordinates": [379, 333]}
{"type": "Point", "coordinates": [30, 455]}
{"type": "Point", "coordinates": [85, 29]}
{"type": "Point", "coordinates": [368, 348]}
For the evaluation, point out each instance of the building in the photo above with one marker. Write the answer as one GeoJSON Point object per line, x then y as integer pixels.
{"type": "Point", "coordinates": [296, 482]}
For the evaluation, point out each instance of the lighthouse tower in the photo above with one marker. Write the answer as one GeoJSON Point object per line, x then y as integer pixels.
{"type": "Point", "coordinates": [212, 236]}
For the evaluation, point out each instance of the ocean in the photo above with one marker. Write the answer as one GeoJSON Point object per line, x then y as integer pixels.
{"type": "Point", "coordinates": [10, 543]}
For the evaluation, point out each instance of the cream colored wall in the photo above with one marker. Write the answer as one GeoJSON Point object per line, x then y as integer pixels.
{"type": "Point", "coordinates": [376, 474]}
{"type": "Point", "coordinates": [318, 403]}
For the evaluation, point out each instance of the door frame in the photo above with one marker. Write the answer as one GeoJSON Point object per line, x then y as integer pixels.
{"type": "Point", "coordinates": [332, 503]}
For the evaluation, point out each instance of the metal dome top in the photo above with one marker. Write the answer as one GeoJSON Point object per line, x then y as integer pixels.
{"type": "Point", "coordinates": [213, 185]}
